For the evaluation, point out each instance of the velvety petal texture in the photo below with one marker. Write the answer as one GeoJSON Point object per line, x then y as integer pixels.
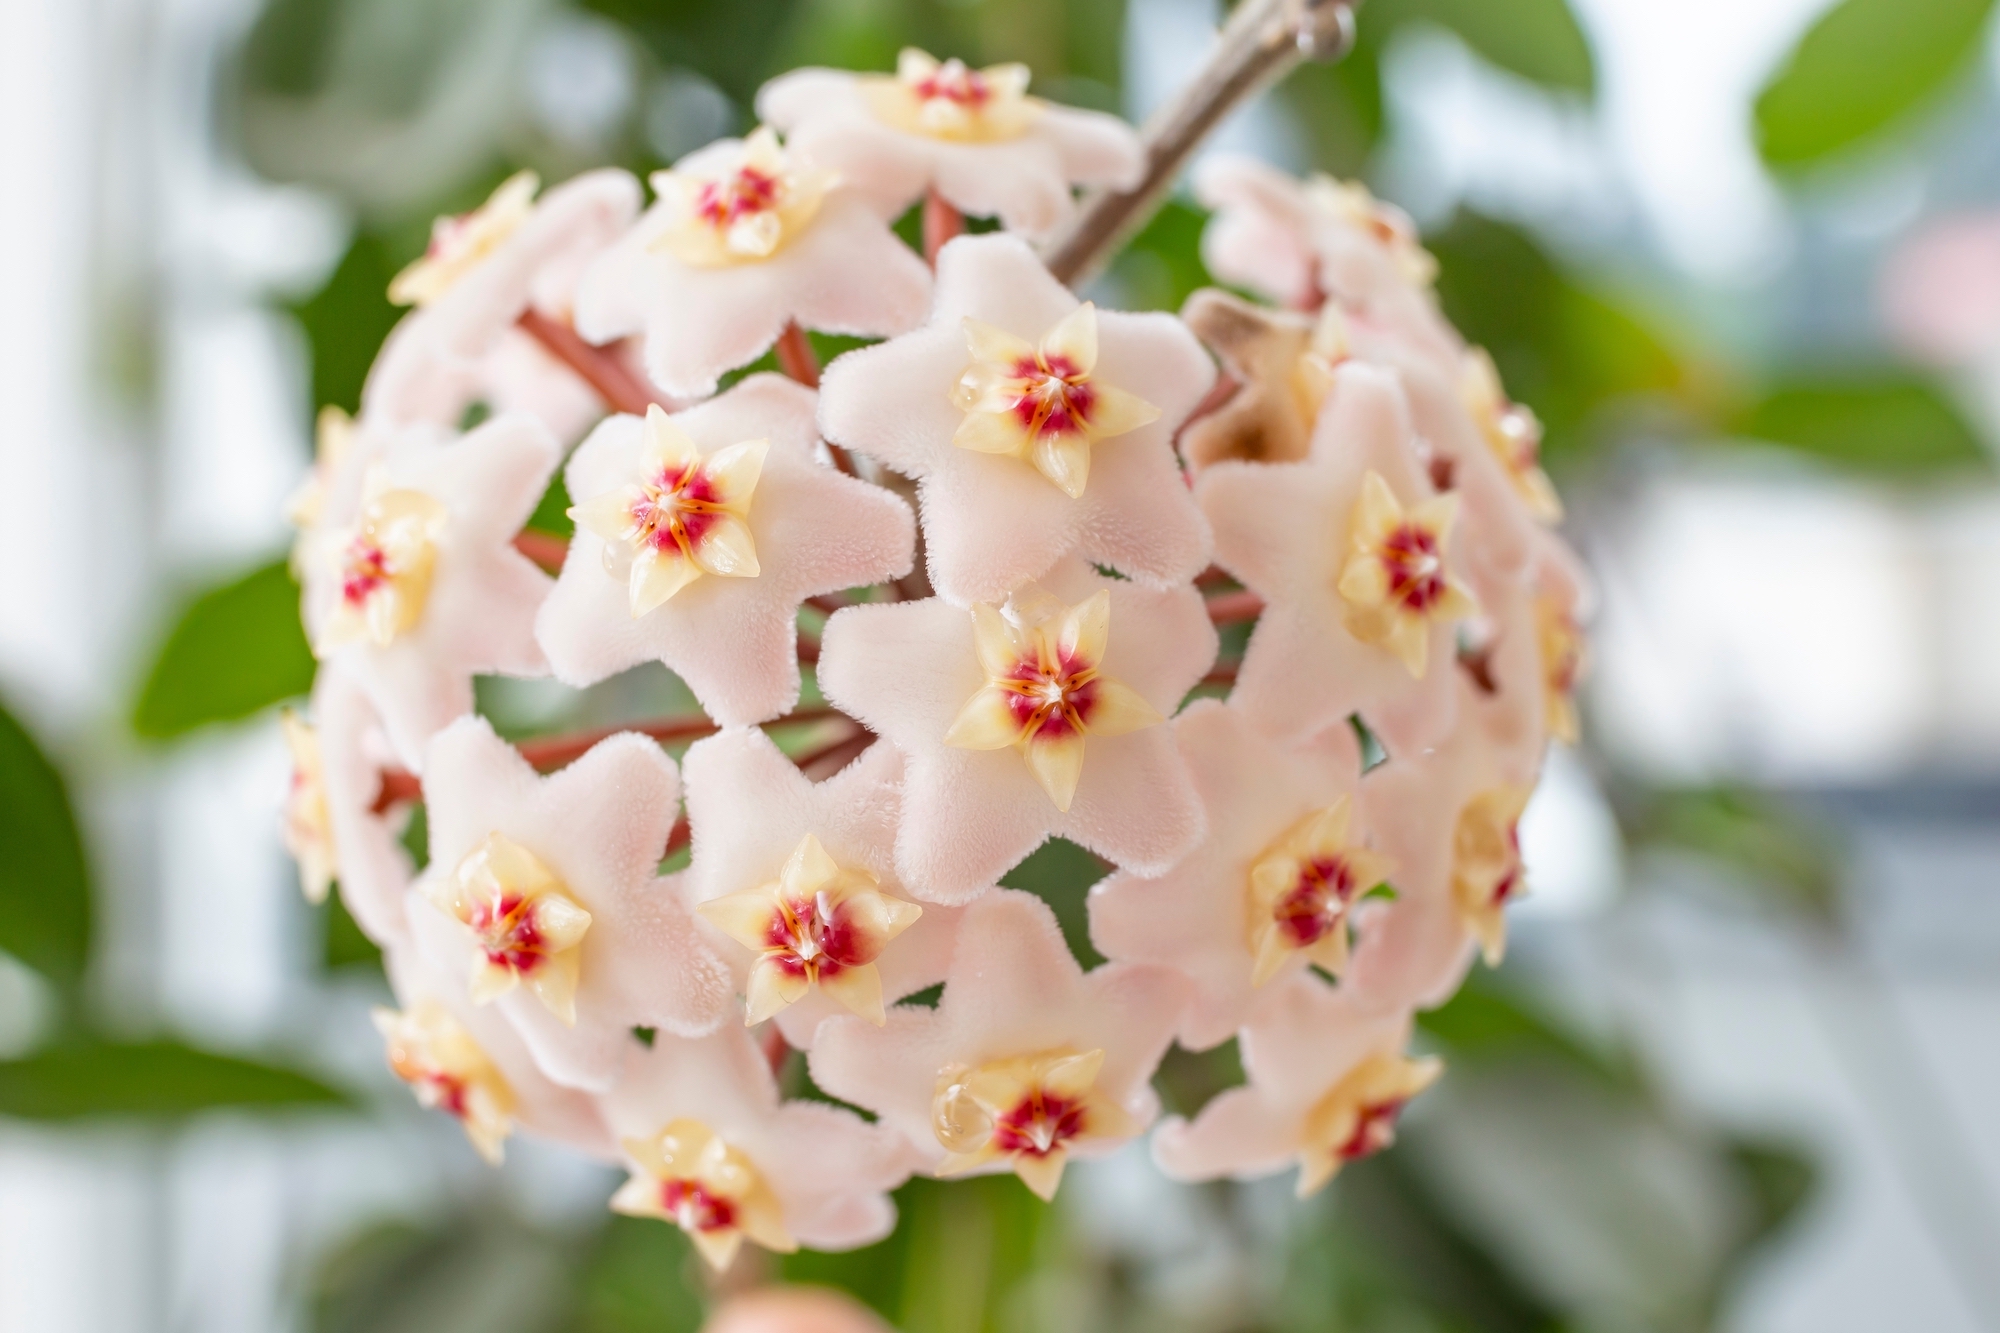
{"type": "Point", "coordinates": [599, 827]}
{"type": "Point", "coordinates": [750, 807]}
{"type": "Point", "coordinates": [844, 272]}
{"type": "Point", "coordinates": [1024, 179]}
{"type": "Point", "coordinates": [470, 598]}
{"type": "Point", "coordinates": [373, 869]}
{"type": "Point", "coordinates": [991, 520]}
{"type": "Point", "coordinates": [1013, 990]}
{"type": "Point", "coordinates": [908, 670]}
{"type": "Point", "coordinates": [732, 639]}
{"type": "Point", "coordinates": [1198, 918]}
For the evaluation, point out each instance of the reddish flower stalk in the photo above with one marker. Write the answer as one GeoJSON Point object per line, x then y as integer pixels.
{"type": "Point", "coordinates": [1232, 608]}
{"type": "Point", "coordinates": [941, 223]}
{"type": "Point", "coordinates": [544, 548]}
{"type": "Point", "coordinates": [599, 367]}
{"type": "Point", "coordinates": [796, 358]}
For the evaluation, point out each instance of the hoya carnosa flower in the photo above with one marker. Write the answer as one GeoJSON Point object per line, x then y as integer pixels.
{"type": "Point", "coordinates": [1046, 691]}
{"type": "Point", "coordinates": [743, 239]}
{"type": "Point", "coordinates": [423, 589]}
{"type": "Point", "coordinates": [541, 894]}
{"type": "Point", "coordinates": [1486, 870]}
{"type": "Point", "coordinates": [1270, 416]}
{"type": "Point", "coordinates": [308, 822]}
{"type": "Point", "coordinates": [368, 858]}
{"type": "Point", "coordinates": [713, 1150]}
{"type": "Point", "coordinates": [698, 536]}
{"type": "Point", "coordinates": [972, 135]}
{"type": "Point", "coordinates": [1026, 1063]}
{"type": "Point", "coordinates": [1561, 640]}
{"type": "Point", "coordinates": [1360, 609]}
{"type": "Point", "coordinates": [482, 272]}
{"type": "Point", "coordinates": [1512, 433]}
{"type": "Point", "coordinates": [1033, 428]}
{"type": "Point", "coordinates": [467, 1062]}
{"type": "Point", "coordinates": [1327, 1080]}
{"type": "Point", "coordinates": [801, 878]}
{"type": "Point", "coordinates": [909, 670]}
{"type": "Point", "coordinates": [1269, 890]}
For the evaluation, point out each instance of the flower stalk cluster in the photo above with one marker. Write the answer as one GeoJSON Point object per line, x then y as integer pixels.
{"type": "Point", "coordinates": [1096, 491]}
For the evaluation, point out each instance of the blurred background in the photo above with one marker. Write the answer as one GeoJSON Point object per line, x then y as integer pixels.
{"type": "Point", "coordinates": [1743, 257]}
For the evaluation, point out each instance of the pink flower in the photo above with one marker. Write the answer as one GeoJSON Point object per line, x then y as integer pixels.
{"type": "Point", "coordinates": [971, 135]}
{"type": "Point", "coordinates": [469, 1063]}
{"type": "Point", "coordinates": [423, 589]}
{"type": "Point", "coordinates": [743, 240]}
{"type": "Point", "coordinates": [1025, 1064]}
{"type": "Point", "coordinates": [1035, 426]}
{"type": "Point", "coordinates": [1327, 1081]}
{"type": "Point", "coordinates": [480, 274]}
{"type": "Point", "coordinates": [1527, 659]}
{"type": "Point", "coordinates": [713, 1150]}
{"type": "Point", "coordinates": [929, 677]}
{"type": "Point", "coordinates": [541, 894]}
{"type": "Point", "coordinates": [1271, 888]}
{"type": "Point", "coordinates": [367, 851]}
{"type": "Point", "coordinates": [801, 878]}
{"type": "Point", "coordinates": [1351, 552]}
{"type": "Point", "coordinates": [698, 536]}
{"type": "Point", "coordinates": [778, 1309]}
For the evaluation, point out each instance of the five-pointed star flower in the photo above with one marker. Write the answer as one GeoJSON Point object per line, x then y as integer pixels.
{"type": "Point", "coordinates": [713, 1150]}
{"type": "Point", "coordinates": [1020, 417]}
{"type": "Point", "coordinates": [468, 1062]}
{"type": "Point", "coordinates": [699, 535]}
{"type": "Point", "coordinates": [423, 589]}
{"type": "Point", "coordinates": [743, 240]}
{"type": "Point", "coordinates": [972, 135]}
{"type": "Point", "coordinates": [368, 858]}
{"type": "Point", "coordinates": [1361, 608]}
{"type": "Point", "coordinates": [1327, 1081]}
{"type": "Point", "coordinates": [1269, 890]}
{"type": "Point", "coordinates": [1026, 1062]}
{"type": "Point", "coordinates": [541, 895]}
{"type": "Point", "coordinates": [908, 671]}
{"type": "Point", "coordinates": [761, 829]}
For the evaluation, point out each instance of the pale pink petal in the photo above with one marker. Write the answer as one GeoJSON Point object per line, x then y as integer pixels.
{"type": "Point", "coordinates": [905, 670]}
{"type": "Point", "coordinates": [794, 1310]}
{"type": "Point", "coordinates": [373, 869]}
{"type": "Point", "coordinates": [733, 640]}
{"type": "Point", "coordinates": [1259, 236]}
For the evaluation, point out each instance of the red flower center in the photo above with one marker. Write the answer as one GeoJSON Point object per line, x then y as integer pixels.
{"type": "Point", "coordinates": [720, 203]}
{"type": "Point", "coordinates": [953, 82]}
{"type": "Point", "coordinates": [1416, 567]}
{"type": "Point", "coordinates": [364, 571]}
{"type": "Point", "coordinates": [695, 1208]}
{"type": "Point", "coordinates": [1057, 396]}
{"type": "Point", "coordinates": [1317, 902]}
{"type": "Point", "coordinates": [677, 509]}
{"type": "Point", "coordinates": [814, 937]}
{"type": "Point", "coordinates": [508, 933]}
{"type": "Point", "coordinates": [1374, 1130]}
{"type": "Point", "coordinates": [1039, 1125]}
{"type": "Point", "coordinates": [1052, 701]}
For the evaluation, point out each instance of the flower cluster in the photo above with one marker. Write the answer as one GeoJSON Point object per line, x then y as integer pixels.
{"type": "Point", "coordinates": [1001, 537]}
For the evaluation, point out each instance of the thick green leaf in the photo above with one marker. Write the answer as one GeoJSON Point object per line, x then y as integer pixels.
{"type": "Point", "coordinates": [1861, 69]}
{"type": "Point", "coordinates": [1896, 427]}
{"type": "Point", "coordinates": [44, 881]}
{"type": "Point", "coordinates": [82, 1080]}
{"type": "Point", "coordinates": [346, 321]}
{"type": "Point", "coordinates": [237, 649]}
{"type": "Point", "coordinates": [1536, 39]}
{"type": "Point", "coordinates": [1060, 873]}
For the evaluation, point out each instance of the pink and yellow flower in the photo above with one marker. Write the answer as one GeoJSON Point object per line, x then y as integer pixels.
{"type": "Point", "coordinates": [740, 209]}
{"type": "Point", "coordinates": [308, 820]}
{"type": "Point", "coordinates": [1302, 889]}
{"type": "Point", "coordinates": [1562, 653]}
{"type": "Point", "coordinates": [1357, 1118]}
{"type": "Point", "coordinates": [433, 1053]}
{"type": "Point", "coordinates": [383, 565]}
{"type": "Point", "coordinates": [1486, 870]}
{"type": "Point", "coordinates": [1512, 432]}
{"type": "Point", "coordinates": [1028, 1111]}
{"type": "Point", "coordinates": [527, 923]}
{"type": "Point", "coordinates": [1395, 581]}
{"type": "Point", "coordinates": [689, 1175]}
{"type": "Point", "coordinates": [460, 244]}
{"type": "Point", "coordinates": [949, 100]}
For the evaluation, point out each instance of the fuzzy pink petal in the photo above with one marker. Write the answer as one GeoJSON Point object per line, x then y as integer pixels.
{"type": "Point", "coordinates": [794, 1310]}
{"type": "Point", "coordinates": [846, 273]}
{"type": "Point", "coordinates": [733, 640]}
{"type": "Point", "coordinates": [1259, 236]}
{"type": "Point", "coordinates": [373, 869]}
{"type": "Point", "coordinates": [1192, 918]}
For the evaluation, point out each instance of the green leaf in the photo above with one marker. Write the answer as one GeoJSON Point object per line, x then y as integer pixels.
{"type": "Point", "coordinates": [45, 904]}
{"type": "Point", "coordinates": [346, 321]}
{"type": "Point", "coordinates": [238, 648]}
{"type": "Point", "coordinates": [1539, 40]}
{"type": "Point", "coordinates": [1863, 68]}
{"type": "Point", "coordinates": [1775, 847]}
{"type": "Point", "coordinates": [92, 1079]}
{"type": "Point", "coordinates": [344, 943]}
{"type": "Point", "coordinates": [1060, 873]}
{"type": "Point", "coordinates": [1895, 427]}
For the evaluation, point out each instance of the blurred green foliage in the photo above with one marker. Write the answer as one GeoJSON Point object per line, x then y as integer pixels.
{"type": "Point", "coordinates": [45, 906]}
{"type": "Point", "coordinates": [79, 1079]}
{"type": "Point", "coordinates": [1778, 852]}
{"type": "Point", "coordinates": [1864, 67]}
{"type": "Point", "coordinates": [1900, 427]}
{"type": "Point", "coordinates": [346, 321]}
{"type": "Point", "coordinates": [236, 650]}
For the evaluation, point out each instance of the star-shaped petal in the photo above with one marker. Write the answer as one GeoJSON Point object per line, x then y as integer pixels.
{"type": "Point", "coordinates": [804, 528]}
{"type": "Point", "coordinates": [713, 1149]}
{"type": "Point", "coordinates": [1027, 1062]}
{"type": "Point", "coordinates": [908, 671]}
{"type": "Point", "coordinates": [1288, 531]}
{"type": "Point", "coordinates": [930, 406]}
{"type": "Point", "coordinates": [551, 880]}
{"type": "Point", "coordinates": [423, 590]}
{"type": "Point", "coordinates": [751, 811]}
{"type": "Point", "coordinates": [1327, 1080]}
{"type": "Point", "coordinates": [971, 135]}
{"type": "Point", "coordinates": [838, 269]}
{"type": "Point", "coordinates": [1246, 908]}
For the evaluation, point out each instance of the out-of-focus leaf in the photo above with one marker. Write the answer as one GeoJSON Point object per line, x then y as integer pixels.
{"type": "Point", "coordinates": [345, 944]}
{"type": "Point", "coordinates": [346, 321]}
{"type": "Point", "coordinates": [1338, 107]}
{"type": "Point", "coordinates": [1060, 873]}
{"type": "Point", "coordinates": [89, 1079]}
{"type": "Point", "coordinates": [476, 1271]}
{"type": "Point", "coordinates": [1161, 265]}
{"type": "Point", "coordinates": [1481, 1023]}
{"type": "Point", "coordinates": [1863, 67]}
{"type": "Point", "coordinates": [1893, 427]}
{"type": "Point", "coordinates": [1189, 1079]}
{"type": "Point", "coordinates": [737, 46]}
{"type": "Point", "coordinates": [45, 908]}
{"type": "Point", "coordinates": [238, 648]}
{"type": "Point", "coordinates": [640, 1278]}
{"type": "Point", "coordinates": [1536, 39]}
{"type": "Point", "coordinates": [1772, 845]}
